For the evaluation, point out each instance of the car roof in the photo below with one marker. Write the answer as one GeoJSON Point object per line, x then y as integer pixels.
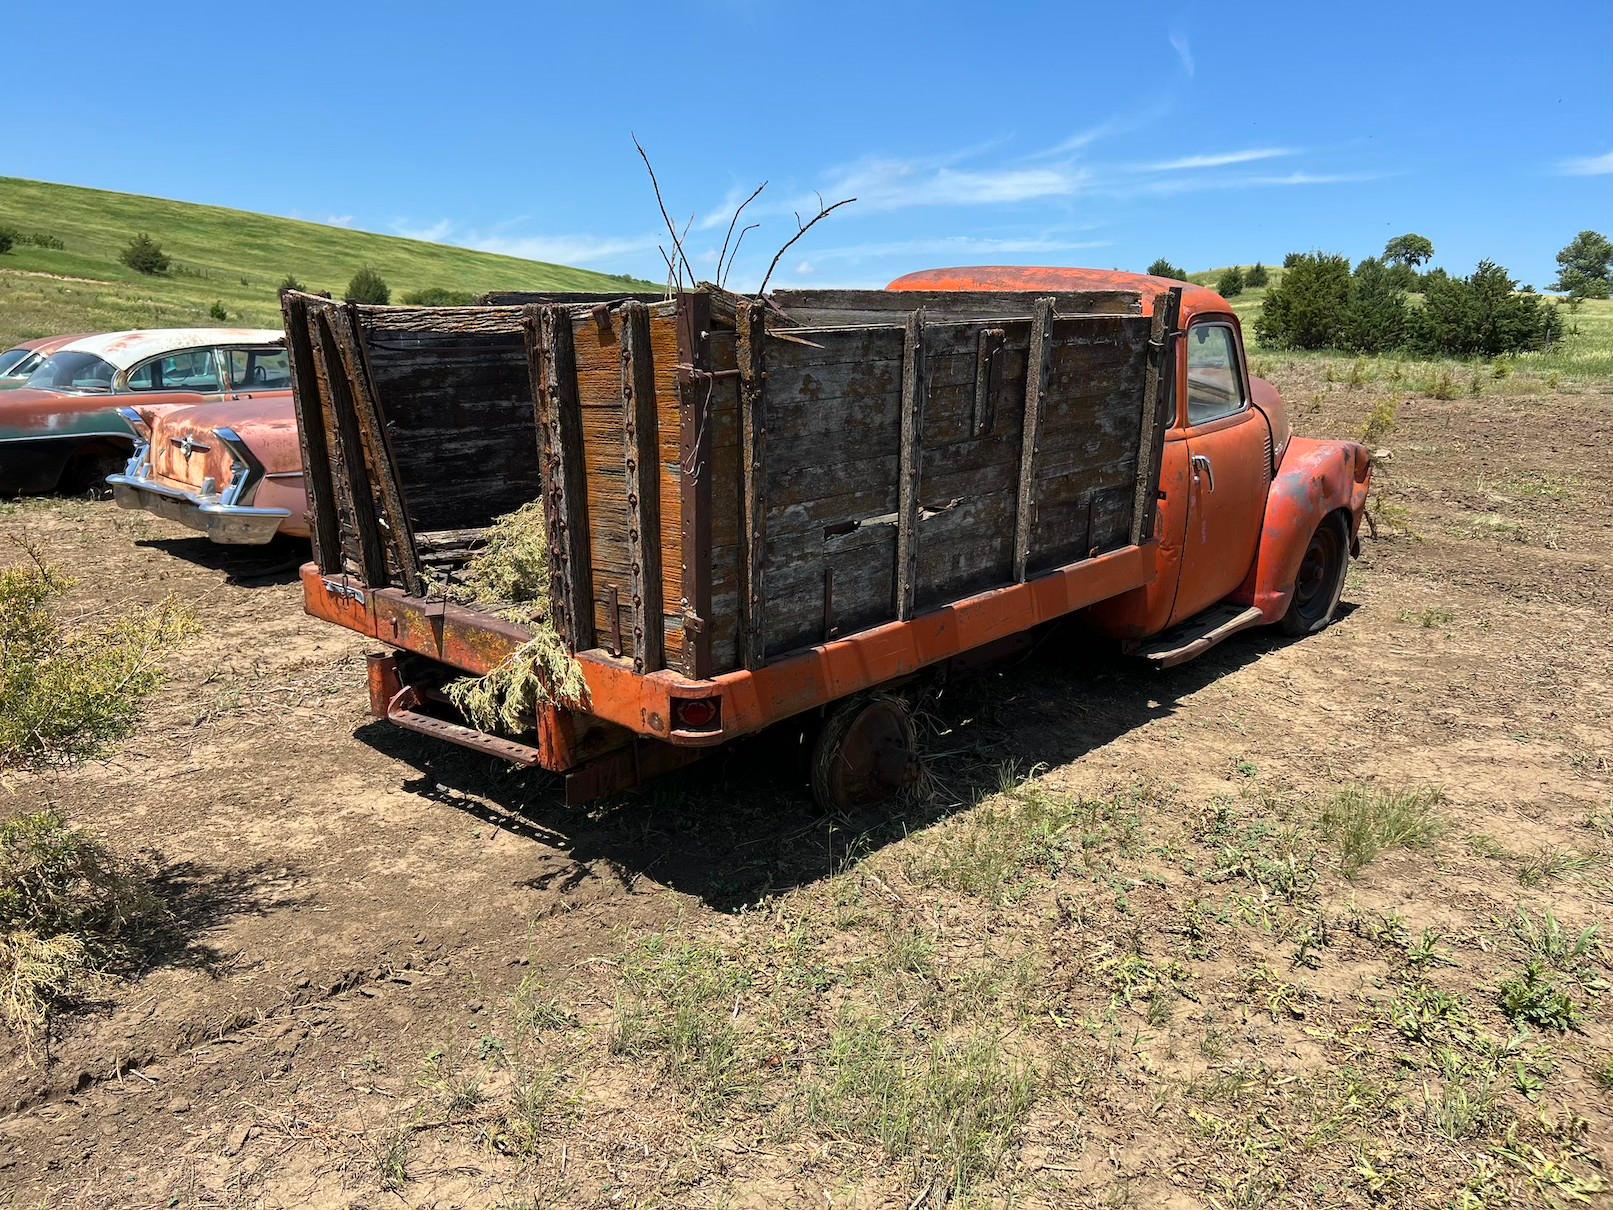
{"type": "Point", "coordinates": [124, 349]}
{"type": "Point", "coordinates": [49, 344]}
{"type": "Point", "coordinates": [1028, 279]}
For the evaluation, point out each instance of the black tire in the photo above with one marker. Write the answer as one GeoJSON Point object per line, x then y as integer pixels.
{"type": "Point", "coordinates": [866, 752]}
{"type": "Point", "coordinates": [1320, 580]}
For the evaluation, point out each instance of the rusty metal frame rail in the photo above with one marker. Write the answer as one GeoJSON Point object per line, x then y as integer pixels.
{"type": "Point", "coordinates": [752, 698]}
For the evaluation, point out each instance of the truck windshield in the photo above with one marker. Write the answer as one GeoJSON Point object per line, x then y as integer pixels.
{"type": "Point", "coordinates": [73, 372]}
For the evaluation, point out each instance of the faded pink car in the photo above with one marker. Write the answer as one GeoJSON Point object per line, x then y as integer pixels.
{"type": "Point", "coordinates": [232, 470]}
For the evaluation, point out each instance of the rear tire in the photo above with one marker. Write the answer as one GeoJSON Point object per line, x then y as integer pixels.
{"type": "Point", "coordinates": [1320, 581]}
{"type": "Point", "coordinates": [865, 753]}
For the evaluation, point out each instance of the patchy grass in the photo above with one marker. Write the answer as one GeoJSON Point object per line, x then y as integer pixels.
{"type": "Point", "coordinates": [1363, 821]}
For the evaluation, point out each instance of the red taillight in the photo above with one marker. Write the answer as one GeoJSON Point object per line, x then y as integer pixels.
{"type": "Point", "coordinates": [697, 714]}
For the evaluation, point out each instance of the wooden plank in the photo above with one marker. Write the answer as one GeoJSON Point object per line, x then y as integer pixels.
{"type": "Point", "coordinates": [1038, 367]}
{"type": "Point", "coordinates": [836, 307]}
{"type": "Point", "coordinates": [398, 531]}
{"type": "Point", "coordinates": [361, 499]}
{"type": "Point", "coordinates": [911, 465]}
{"type": "Point", "coordinates": [553, 367]}
{"type": "Point", "coordinates": [641, 462]}
{"type": "Point", "coordinates": [697, 470]}
{"type": "Point", "coordinates": [1162, 345]}
{"type": "Point", "coordinates": [322, 517]}
{"type": "Point", "coordinates": [751, 326]}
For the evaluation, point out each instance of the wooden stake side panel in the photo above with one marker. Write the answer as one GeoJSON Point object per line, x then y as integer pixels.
{"type": "Point", "coordinates": [832, 412]}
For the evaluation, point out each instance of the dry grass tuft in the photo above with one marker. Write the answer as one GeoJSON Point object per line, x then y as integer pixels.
{"type": "Point", "coordinates": [1364, 821]}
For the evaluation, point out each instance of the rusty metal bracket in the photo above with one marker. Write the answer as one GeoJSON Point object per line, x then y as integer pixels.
{"type": "Point", "coordinates": [402, 712]}
{"type": "Point", "coordinates": [988, 371]}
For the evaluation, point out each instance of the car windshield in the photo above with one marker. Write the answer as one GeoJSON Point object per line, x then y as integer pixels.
{"type": "Point", "coordinates": [73, 372]}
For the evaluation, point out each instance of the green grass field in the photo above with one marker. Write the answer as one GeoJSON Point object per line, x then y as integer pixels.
{"type": "Point", "coordinates": [1587, 352]}
{"type": "Point", "coordinates": [227, 256]}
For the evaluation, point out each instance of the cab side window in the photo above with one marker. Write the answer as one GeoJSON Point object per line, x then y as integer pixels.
{"type": "Point", "coordinates": [259, 369]}
{"type": "Point", "coordinates": [1214, 384]}
{"type": "Point", "coordinates": [186, 370]}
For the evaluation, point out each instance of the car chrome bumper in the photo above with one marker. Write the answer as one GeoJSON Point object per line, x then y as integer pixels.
{"type": "Point", "coordinates": [226, 516]}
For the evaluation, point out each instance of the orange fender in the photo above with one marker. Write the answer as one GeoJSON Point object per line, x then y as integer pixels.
{"type": "Point", "coordinates": [1316, 478]}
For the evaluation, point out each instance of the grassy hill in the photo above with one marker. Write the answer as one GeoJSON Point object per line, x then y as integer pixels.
{"type": "Point", "coordinates": [232, 257]}
{"type": "Point", "coordinates": [1585, 352]}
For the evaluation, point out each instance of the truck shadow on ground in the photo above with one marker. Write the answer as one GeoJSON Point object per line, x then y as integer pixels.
{"type": "Point", "coordinates": [276, 563]}
{"type": "Point", "coordinates": [741, 825]}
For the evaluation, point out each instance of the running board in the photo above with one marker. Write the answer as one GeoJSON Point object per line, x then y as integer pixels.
{"type": "Point", "coordinates": [1198, 634]}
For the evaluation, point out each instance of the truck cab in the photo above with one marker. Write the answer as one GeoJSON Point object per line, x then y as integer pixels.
{"type": "Point", "coordinates": [1254, 525]}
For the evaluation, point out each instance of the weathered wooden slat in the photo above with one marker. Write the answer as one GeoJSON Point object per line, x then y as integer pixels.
{"type": "Point", "coordinates": [911, 465]}
{"type": "Point", "coordinates": [1038, 367]}
{"type": "Point", "coordinates": [696, 473]}
{"type": "Point", "coordinates": [1161, 343]}
{"type": "Point", "coordinates": [323, 522]}
{"type": "Point", "coordinates": [811, 307]}
{"type": "Point", "coordinates": [640, 460]}
{"type": "Point", "coordinates": [399, 533]}
{"type": "Point", "coordinates": [1159, 410]}
{"type": "Point", "coordinates": [750, 359]}
{"type": "Point", "coordinates": [552, 366]}
{"type": "Point", "coordinates": [355, 463]}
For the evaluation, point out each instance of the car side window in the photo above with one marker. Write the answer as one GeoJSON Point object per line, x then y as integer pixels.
{"type": "Point", "coordinates": [1214, 383]}
{"type": "Point", "coordinates": [185, 370]}
{"type": "Point", "coordinates": [266, 369]}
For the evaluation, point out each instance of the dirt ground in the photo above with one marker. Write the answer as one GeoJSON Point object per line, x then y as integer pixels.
{"type": "Point", "coordinates": [371, 927]}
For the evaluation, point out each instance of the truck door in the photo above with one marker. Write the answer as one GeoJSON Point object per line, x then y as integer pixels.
{"type": "Point", "coordinates": [1230, 469]}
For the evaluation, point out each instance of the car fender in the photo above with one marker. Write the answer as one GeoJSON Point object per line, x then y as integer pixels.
{"type": "Point", "coordinates": [1315, 479]}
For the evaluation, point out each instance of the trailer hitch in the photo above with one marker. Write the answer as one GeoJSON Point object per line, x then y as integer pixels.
{"type": "Point", "coordinates": [403, 710]}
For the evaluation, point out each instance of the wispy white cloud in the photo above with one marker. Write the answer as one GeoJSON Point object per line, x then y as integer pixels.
{"type": "Point", "coordinates": [431, 233]}
{"type": "Point", "coordinates": [1220, 159]}
{"type": "Point", "coordinates": [337, 220]}
{"type": "Point", "coordinates": [897, 184]}
{"type": "Point", "coordinates": [955, 246]}
{"type": "Point", "coordinates": [1184, 51]}
{"type": "Point", "coordinates": [1196, 183]}
{"type": "Point", "coordinates": [565, 249]}
{"type": "Point", "coordinates": [1587, 165]}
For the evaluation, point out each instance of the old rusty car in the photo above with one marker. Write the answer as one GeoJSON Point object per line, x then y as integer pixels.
{"type": "Point", "coordinates": [788, 508]}
{"type": "Point", "coordinates": [62, 428]}
{"type": "Point", "coordinates": [232, 470]}
{"type": "Point", "coordinates": [18, 363]}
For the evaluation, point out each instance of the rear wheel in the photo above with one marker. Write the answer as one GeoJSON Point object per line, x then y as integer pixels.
{"type": "Point", "coordinates": [1320, 581]}
{"type": "Point", "coordinates": [865, 753]}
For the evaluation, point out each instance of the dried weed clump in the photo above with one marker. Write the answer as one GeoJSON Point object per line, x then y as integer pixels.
{"type": "Point", "coordinates": [510, 575]}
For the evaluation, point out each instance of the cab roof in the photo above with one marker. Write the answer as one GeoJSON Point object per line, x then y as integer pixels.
{"type": "Point", "coordinates": [49, 344]}
{"type": "Point", "coordinates": [1028, 279]}
{"type": "Point", "coordinates": [123, 349]}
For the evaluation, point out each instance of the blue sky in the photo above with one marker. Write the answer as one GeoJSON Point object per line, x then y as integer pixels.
{"type": "Point", "coordinates": [977, 133]}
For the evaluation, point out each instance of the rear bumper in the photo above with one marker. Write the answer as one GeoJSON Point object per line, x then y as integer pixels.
{"type": "Point", "coordinates": [228, 524]}
{"type": "Point", "coordinates": [226, 515]}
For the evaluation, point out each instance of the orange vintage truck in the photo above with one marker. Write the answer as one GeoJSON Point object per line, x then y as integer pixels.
{"type": "Point", "coordinates": [781, 509]}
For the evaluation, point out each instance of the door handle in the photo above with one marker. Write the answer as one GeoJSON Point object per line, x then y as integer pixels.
{"type": "Point", "coordinates": [1201, 465]}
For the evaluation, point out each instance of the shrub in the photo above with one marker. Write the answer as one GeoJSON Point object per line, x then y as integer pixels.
{"type": "Point", "coordinates": [41, 239]}
{"type": "Point", "coordinates": [291, 283]}
{"type": "Point", "coordinates": [1230, 283]}
{"type": "Point", "coordinates": [1374, 319]}
{"type": "Point", "coordinates": [69, 907]}
{"type": "Point", "coordinates": [9, 238]}
{"type": "Point", "coordinates": [1305, 310]}
{"type": "Point", "coordinates": [1484, 315]}
{"type": "Point", "coordinates": [368, 286]}
{"type": "Point", "coordinates": [1163, 268]}
{"type": "Point", "coordinates": [438, 296]}
{"type": "Point", "coordinates": [217, 311]}
{"type": "Point", "coordinates": [1256, 277]}
{"type": "Point", "coordinates": [143, 255]}
{"type": "Point", "coordinates": [66, 695]}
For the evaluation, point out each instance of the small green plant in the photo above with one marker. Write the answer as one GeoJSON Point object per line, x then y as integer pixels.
{"type": "Point", "coordinates": [1442, 385]}
{"type": "Point", "coordinates": [1365, 820]}
{"type": "Point", "coordinates": [1533, 998]}
{"type": "Point", "coordinates": [391, 1156]}
{"type": "Point", "coordinates": [290, 282]}
{"type": "Point", "coordinates": [1380, 421]}
{"type": "Point", "coordinates": [1554, 862]}
{"type": "Point", "coordinates": [217, 312]}
{"type": "Point", "coordinates": [368, 286]}
{"type": "Point", "coordinates": [144, 255]}
{"type": "Point", "coordinates": [1430, 617]}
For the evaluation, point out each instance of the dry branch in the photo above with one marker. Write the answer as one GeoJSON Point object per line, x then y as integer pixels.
{"type": "Point", "coordinates": [803, 228]}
